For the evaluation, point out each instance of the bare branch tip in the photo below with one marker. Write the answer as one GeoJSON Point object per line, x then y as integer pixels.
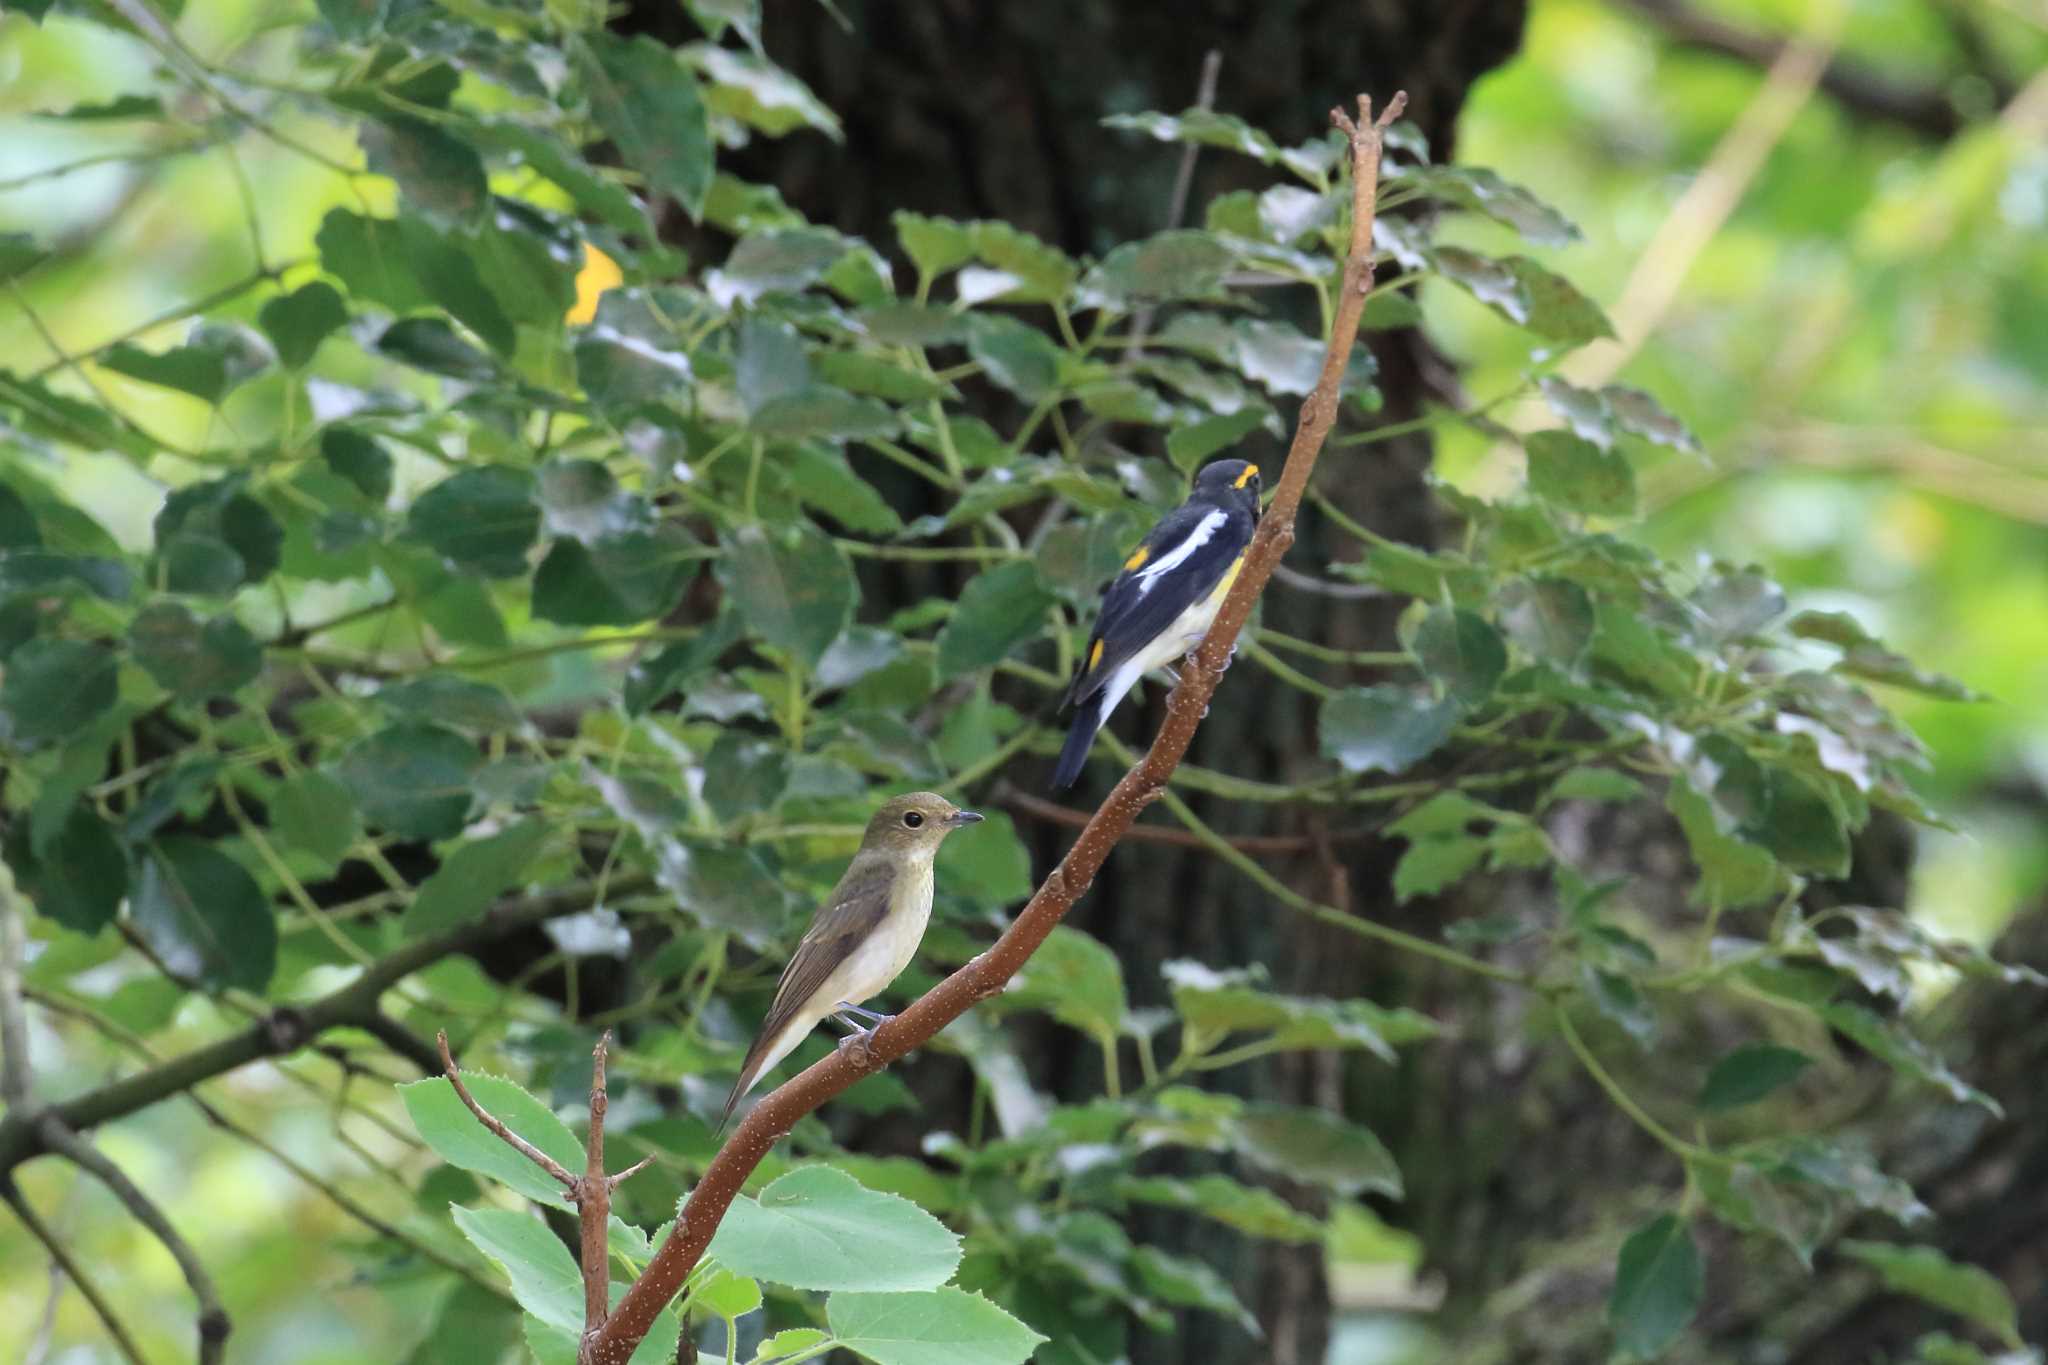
{"type": "Point", "coordinates": [1396, 106]}
{"type": "Point", "coordinates": [614, 1181]}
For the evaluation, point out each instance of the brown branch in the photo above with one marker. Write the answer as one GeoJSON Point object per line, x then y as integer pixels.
{"type": "Point", "coordinates": [986, 974]}
{"type": "Point", "coordinates": [286, 1029]}
{"type": "Point", "coordinates": [60, 1256]}
{"type": "Point", "coordinates": [495, 1124]}
{"type": "Point", "coordinates": [590, 1192]}
{"type": "Point", "coordinates": [593, 1196]}
{"type": "Point", "coordinates": [1924, 109]}
{"type": "Point", "coordinates": [214, 1324]}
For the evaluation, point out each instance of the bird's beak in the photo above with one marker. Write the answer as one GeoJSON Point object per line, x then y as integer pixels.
{"type": "Point", "coordinates": [963, 817]}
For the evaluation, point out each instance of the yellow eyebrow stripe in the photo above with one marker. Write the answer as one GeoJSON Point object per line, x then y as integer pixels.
{"type": "Point", "coordinates": [1137, 561]}
{"type": "Point", "coordinates": [1251, 471]}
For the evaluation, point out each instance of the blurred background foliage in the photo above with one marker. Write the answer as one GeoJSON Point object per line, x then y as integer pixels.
{"type": "Point", "coordinates": [1839, 284]}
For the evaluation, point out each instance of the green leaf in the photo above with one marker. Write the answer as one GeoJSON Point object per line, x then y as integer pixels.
{"type": "Point", "coordinates": [193, 661]}
{"type": "Point", "coordinates": [204, 915]}
{"type": "Point", "coordinates": [354, 456]}
{"type": "Point", "coordinates": [822, 412]}
{"type": "Point", "coordinates": [458, 703]}
{"type": "Point", "coordinates": [54, 688]}
{"type": "Point", "coordinates": [472, 877]}
{"type": "Point", "coordinates": [649, 680]}
{"type": "Point", "coordinates": [1384, 728]}
{"type": "Point", "coordinates": [1077, 980]}
{"type": "Point", "coordinates": [1047, 274]}
{"type": "Point", "coordinates": [649, 105]}
{"type": "Point", "coordinates": [483, 520]}
{"type": "Point", "coordinates": [298, 322]}
{"type": "Point", "coordinates": [1926, 1274]}
{"type": "Point", "coordinates": [79, 876]}
{"type": "Point", "coordinates": [1204, 127]}
{"type": "Point", "coordinates": [315, 814]}
{"type": "Point", "coordinates": [1219, 1003]}
{"type": "Point", "coordinates": [215, 360]}
{"type": "Point", "coordinates": [1014, 356]}
{"type": "Point", "coordinates": [435, 171]}
{"type": "Point", "coordinates": [1319, 1148]}
{"type": "Point", "coordinates": [544, 1277]}
{"type": "Point", "coordinates": [744, 775]}
{"type": "Point", "coordinates": [1866, 657]}
{"type": "Point", "coordinates": [792, 586]}
{"type": "Point", "coordinates": [782, 261]}
{"type": "Point", "coordinates": [824, 480]}
{"type": "Point", "coordinates": [1733, 871]}
{"type": "Point", "coordinates": [1189, 1283]}
{"type": "Point", "coordinates": [412, 779]}
{"type": "Point", "coordinates": [1595, 784]}
{"type": "Point", "coordinates": [988, 867]}
{"type": "Point", "coordinates": [1525, 293]}
{"type": "Point", "coordinates": [1460, 650]}
{"type": "Point", "coordinates": [726, 1294]}
{"type": "Point", "coordinates": [1000, 609]}
{"type": "Point", "coordinates": [934, 245]}
{"type": "Point", "coordinates": [629, 355]}
{"type": "Point", "coordinates": [1575, 473]}
{"type": "Point", "coordinates": [757, 92]}
{"type": "Point", "coordinates": [430, 344]}
{"type": "Point", "coordinates": [1749, 1073]}
{"type": "Point", "coordinates": [369, 256]}
{"type": "Point", "coordinates": [1249, 1209]}
{"type": "Point", "coordinates": [1432, 864]}
{"type": "Point", "coordinates": [1901, 1051]}
{"type": "Point", "coordinates": [788, 1342]}
{"type": "Point", "coordinates": [459, 1139]}
{"type": "Point", "coordinates": [1189, 446]}
{"type": "Point", "coordinates": [1550, 619]}
{"type": "Point", "coordinates": [819, 1228]}
{"type": "Point", "coordinates": [1469, 187]}
{"type": "Point", "coordinates": [1641, 415]}
{"type": "Point", "coordinates": [215, 537]}
{"type": "Point", "coordinates": [595, 193]}
{"type": "Point", "coordinates": [620, 580]}
{"type": "Point", "coordinates": [1181, 263]}
{"type": "Point", "coordinates": [1657, 1286]}
{"type": "Point", "coordinates": [940, 1327]}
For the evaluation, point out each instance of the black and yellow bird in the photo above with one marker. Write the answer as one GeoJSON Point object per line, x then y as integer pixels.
{"type": "Point", "coordinates": [1160, 605]}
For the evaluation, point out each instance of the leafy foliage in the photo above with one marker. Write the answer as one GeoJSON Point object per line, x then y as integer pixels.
{"type": "Point", "coordinates": [468, 585]}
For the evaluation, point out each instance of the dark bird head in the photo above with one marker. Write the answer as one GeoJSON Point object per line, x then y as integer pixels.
{"type": "Point", "coordinates": [1227, 481]}
{"type": "Point", "coordinates": [917, 823]}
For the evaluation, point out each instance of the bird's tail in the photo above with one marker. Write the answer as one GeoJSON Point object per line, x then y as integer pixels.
{"type": "Point", "coordinates": [1088, 718]}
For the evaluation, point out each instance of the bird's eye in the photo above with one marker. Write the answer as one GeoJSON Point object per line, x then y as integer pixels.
{"type": "Point", "coordinates": [911, 819]}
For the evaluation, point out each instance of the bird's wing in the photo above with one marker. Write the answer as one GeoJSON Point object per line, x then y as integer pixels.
{"type": "Point", "coordinates": [1176, 566]}
{"type": "Point", "coordinates": [853, 911]}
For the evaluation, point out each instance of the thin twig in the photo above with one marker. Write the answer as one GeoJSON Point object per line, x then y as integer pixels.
{"type": "Point", "coordinates": [594, 1200]}
{"type": "Point", "coordinates": [1038, 808]}
{"type": "Point", "coordinates": [61, 1257]}
{"type": "Point", "coordinates": [988, 972]}
{"type": "Point", "coordinates": [214, 1324]}
{"type": "Point", "coordinates": [1177, 204]}
{"type": "Point", "coordinates": [14, 1069]}
{"type": "Point", "coordinates": [490, 1121]}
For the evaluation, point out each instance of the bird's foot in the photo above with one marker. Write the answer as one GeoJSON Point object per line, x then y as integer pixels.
{"type": "Point", "coordinates": [1171, 676]}
{"type": "Point", "coordinates": [858, 1045]}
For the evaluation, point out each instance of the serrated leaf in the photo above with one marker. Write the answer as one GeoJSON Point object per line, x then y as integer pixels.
{"type": "Point", "coordinates": [792, 586]}
{"type": "Point", "coordinates": [1639, 414]}
{"type": "Point", "coordinates": [315, 814]}
{"type": "Point", "coordinates": [1749, 1073]}
{"type": "Point", "coordinates": [483, 519]}
{"type": "Point", "coordinates": [54, 688]}
{"type": "Point", "coordinates": [754, 90]}
{"type": "Point", "coordinates": [436, 171]}
{"type": "Point", "coordinates": [1595, 784]}
{"type": "Point", "coordinates": [544, 1277]}
{"type": "Point", "coordinates": [1384, 728]}
{"type": "Point", "coordinates": [1658, 1283]}
{"type": "Point", "coordinates": [189, 660]}
{"type": "Point", "coordinates": [1249, 1209]}
{"type": "Point", "coordinates": [1319, 1148]}
{"type": "Point", "coordinates": [430, 344]}
{"type": "Point", "coordinates": [1077, 980]}
{"type": "Point", "coordinates": [934, 245]}
{"type": "Point", "coordinates": [1181, 263]}
{"type": "Point", "coordinates": [1234, 1000]}
{"type": "Point", "coordinates": [819, 1228]}
{"type": "Point", "coordinates": [412, 779]}
{"type": "Point", "coordinates": [999, 609]}
{"type": "Point", "coordinates": [369, 256]}
{"type": "Point", "coordinates": [1461, 651]}
{"type": "Point", "coordinates": [204, 916]}
{"type": "Point", "coordinates": [78, 875]}
{"type": "Point", "coordinates": [940, 1327]}
{"type": "Point", "coordinates": [648, 104]}
{"type": "Point", "coordinates": [1927, 1274]}
{"type": "Point", "coordinates": [1202, 126]}
{"type": "Point", "coordinates": [1187, 1283]}
{"type": "Point", "coordinates": [459, 703]}
{"type": "Point", "coordinates": [619, 580]}
{"type": "Point", "coordinates": [1525, 293]}
{"type": "Point", "coordinates": [1574, 472]}
{"type": "Point", "coordinates": [298, 322]}
{"type": "Point", "coordinates": [1547, 618]}
{"type": "Point", "coordinates": [459, 1139]}
{"type": "Point", "coordinates": [776, 262]}
{"type": "Point", "coordinates": [472, 876]}
{"type": "Point", "coordinates": [1901, 1051]}
{"type": "Point", "coordinates": [1014, 356]}
{"type": "Point", "coordinates": [1480, 190]}
{"type": "Point", "coordinates": [1432, 864]}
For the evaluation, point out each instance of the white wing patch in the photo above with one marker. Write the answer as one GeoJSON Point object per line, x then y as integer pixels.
{"type": "Point", "coordinates": [1205, 531]}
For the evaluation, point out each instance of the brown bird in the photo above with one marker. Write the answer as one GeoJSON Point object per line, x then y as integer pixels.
{"type": "Point", "coordinates": [862, 937]}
